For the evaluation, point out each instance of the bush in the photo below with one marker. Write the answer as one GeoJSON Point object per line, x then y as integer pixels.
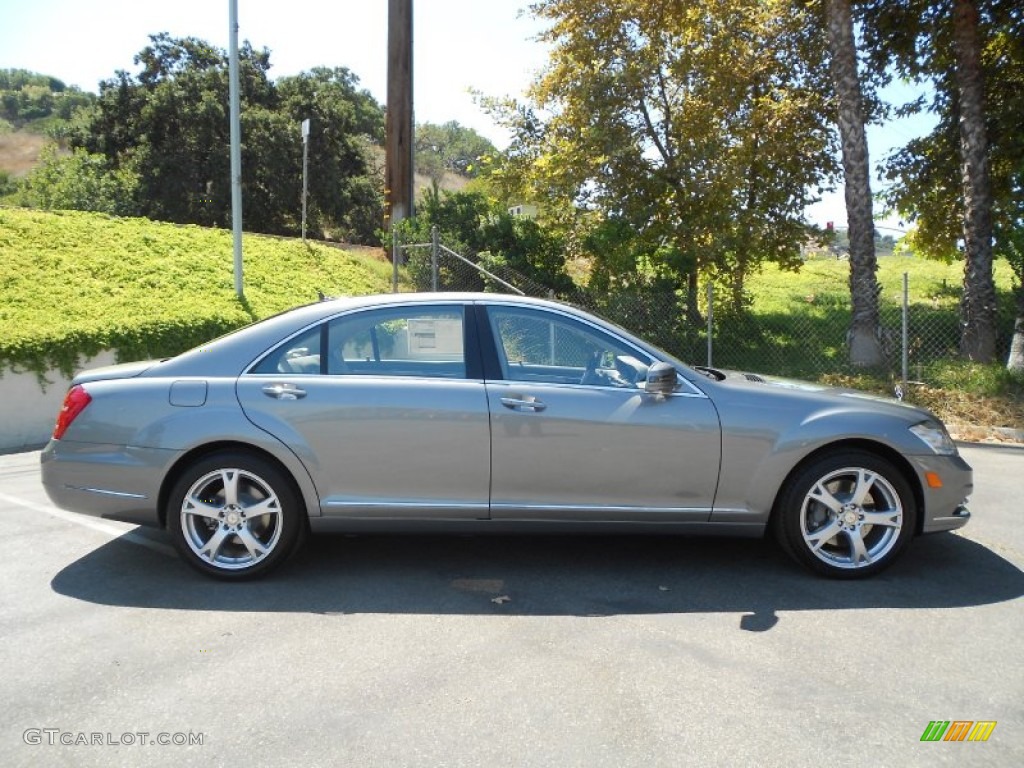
{"type": "Point", "coordinates": [74, 283]}
{"type": "Point", "coordinates": [81, 182]}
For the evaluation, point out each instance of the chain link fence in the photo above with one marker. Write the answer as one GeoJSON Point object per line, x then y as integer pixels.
{"type": "Point", "coordinates": [804, 336]}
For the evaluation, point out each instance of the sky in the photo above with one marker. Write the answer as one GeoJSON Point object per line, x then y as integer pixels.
{"type": "Point", "coordinates": [485, 45]}
{"type": "Point", "coordinates": [458, 44]}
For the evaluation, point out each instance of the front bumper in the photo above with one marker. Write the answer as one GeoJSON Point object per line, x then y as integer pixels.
{"type": "Point", "coordinates": [114, 482]}
{"type": "Point", "coordinates": [945, 507]}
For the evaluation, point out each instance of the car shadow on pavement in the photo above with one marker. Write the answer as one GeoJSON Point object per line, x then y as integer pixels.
{"type": "Point", "coordinates": [545, 576]}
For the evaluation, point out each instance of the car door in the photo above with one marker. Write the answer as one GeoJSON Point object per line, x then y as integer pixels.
{"type": "Point", "coordinates": [574, 437]}
{"type": "Point", "coordinates": [386, 409]}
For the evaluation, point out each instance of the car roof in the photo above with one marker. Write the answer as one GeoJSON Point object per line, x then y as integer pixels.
{"type": "Point", "coordinates": [229, 354]}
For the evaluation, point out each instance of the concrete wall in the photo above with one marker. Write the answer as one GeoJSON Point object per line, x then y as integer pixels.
{"type": "Point", "coordinates": [27, 413]}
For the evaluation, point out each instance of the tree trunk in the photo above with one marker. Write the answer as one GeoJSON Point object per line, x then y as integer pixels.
{"type": "Point", "coordinates": [1015, 362]}
{"type": "Point", "coordinates": [865, 349]}
{"type": "Point", "coordinates": [738, 285]}
{"type": "Point", "coordinates": [978, 340]}
{"type": "Point", "coordinates": [693, 314]}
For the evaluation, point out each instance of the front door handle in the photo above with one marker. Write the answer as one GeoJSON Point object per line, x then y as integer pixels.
{"type": "Point", "coordinates": [284, 391]}
{"type": "Point", "coordinates": [523, 403]}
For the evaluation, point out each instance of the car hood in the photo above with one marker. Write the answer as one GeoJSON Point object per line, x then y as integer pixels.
{"type": "Point", "coordinates": [120, 371]}
{"type": "Point", "coordinates": [822, 393]}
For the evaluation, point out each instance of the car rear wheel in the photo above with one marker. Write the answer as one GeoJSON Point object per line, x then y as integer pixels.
{"type": "Point", "coordinates": [233, 516]}
{"type": "Point", "coordinates": [847, 515]}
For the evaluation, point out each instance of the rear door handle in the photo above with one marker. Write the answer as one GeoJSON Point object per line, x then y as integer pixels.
{"type": "Point", "coordinates": [284, 391]}
{"type": "Point", "coordinates": [523, 403]}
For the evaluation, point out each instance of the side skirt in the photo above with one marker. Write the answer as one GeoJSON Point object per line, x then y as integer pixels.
{"type": "Point", "coordinates": [531, 527]}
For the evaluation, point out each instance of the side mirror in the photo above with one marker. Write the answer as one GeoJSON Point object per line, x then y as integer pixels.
{"type": "Point", "coordinates": [661, 379]}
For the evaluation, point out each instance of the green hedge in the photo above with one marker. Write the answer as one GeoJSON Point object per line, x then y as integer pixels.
{"type": "Point", "coordinates": [72, 284]}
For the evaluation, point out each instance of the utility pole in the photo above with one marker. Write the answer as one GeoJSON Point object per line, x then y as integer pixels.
{"type": "Point", "coordinates": [236, 144]}
{"type": "Point", "coordinates": [398, 145]}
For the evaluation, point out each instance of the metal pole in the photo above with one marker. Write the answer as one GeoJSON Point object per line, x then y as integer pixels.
{"type": "Point", "coordinates": [305, 173]}
{"type": "Point", "coordinates": [395, 251]}
{"type": "Point", "coordinates": [711, 319]}
{"type": "Point", "coordinates": [236, 144]}
{"type": "Point", "coordinates": [905, 352]}
{"type": "Point", "coordinates": [433, 258]}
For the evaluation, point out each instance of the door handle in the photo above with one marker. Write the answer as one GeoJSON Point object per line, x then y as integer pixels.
{"type": "Point", "coordinates": [523, 403]}
{"type": "Point", "coordinates": [284, 391]}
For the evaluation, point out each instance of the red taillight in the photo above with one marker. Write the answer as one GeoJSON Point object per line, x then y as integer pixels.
{"type": "Point", "coordinates": [74, 403]}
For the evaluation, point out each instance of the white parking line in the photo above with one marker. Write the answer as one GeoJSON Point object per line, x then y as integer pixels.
{"type": "Point", "coordinates": [112, 528]}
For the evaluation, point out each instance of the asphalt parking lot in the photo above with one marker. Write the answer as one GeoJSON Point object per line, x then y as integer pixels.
{"type": "Point", "coordinates": [385, 651]}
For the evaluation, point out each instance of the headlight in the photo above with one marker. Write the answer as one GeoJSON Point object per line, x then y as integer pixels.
{"type": "Point", "coordinates": [935, 436]}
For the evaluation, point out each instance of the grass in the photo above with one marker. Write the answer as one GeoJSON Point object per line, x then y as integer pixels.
{"type": "Point", "coordinates": [797, 327]}
{"type": "Point", "coordinates": [823, 281]}
{"type": "Point", "coordinates": [72, 283]}
{"type": "Point", "coordinates": [962, 393]}
{"type": "Point", "coordinates": [971, 394]}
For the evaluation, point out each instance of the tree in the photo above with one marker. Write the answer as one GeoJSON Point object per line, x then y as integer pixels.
{"type": "Point", "coordinates": [169, 123]}
{"type": "Point", "coordinates": [865, 345]}
{"type": "Point", "coordinates": [28, 96]}
{"type": "Point", "coordinates": [979, 335]}
{"type": "Point", "coordinates": [78, 181]}
{"type": "Point", "coordinates": [474, 226]}
{"type": "Point", "coordinates": [450, 148]}
{"type": "Point", "coordinates": [961, 185]}
{"type": "Point", "coordinates": [345, 196]}
{"type": "Point", "coordinates": [700, 131]}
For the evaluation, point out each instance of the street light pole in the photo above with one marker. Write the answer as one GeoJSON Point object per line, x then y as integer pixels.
{"type": "Point", "coordinates": [305, 173]}
{"type": "Point", "coordinates": [236, 144]}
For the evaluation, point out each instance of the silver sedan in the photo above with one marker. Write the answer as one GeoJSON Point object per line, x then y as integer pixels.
{"type": "Point", "coordinates": [477, 413]}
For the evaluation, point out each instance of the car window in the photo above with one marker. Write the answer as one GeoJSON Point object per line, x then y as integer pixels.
{"type": "Point", "coordinates": [300, 355]}
{"type": "Point", "coordinates": [401, 341]}
{"type": "Point", "coordinates": [534, 345]}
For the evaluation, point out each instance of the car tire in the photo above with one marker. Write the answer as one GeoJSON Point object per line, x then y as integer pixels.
{"type": "Point", "coordinates": [846, 515]}
{"type": "Point", "coordinates": [234, 515]}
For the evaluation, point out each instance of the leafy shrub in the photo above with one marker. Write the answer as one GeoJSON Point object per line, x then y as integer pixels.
{"type": "Point", "coordinates": [74, 283]}
{"type": "Point", "coordinates": [81, 182]}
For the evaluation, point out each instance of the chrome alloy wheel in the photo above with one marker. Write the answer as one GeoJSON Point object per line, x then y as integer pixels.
{"type": "Point", "coordinates": [231, 519]}
{"type": "Point", "coordinates": [851, 518]}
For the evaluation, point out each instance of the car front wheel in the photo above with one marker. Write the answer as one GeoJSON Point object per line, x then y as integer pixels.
{"type": "Point", "coordinates": [847, 515]}
{"type": "Point", "coordinates": [234, 516]}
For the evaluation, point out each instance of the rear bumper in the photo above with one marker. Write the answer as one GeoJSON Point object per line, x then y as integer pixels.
{"type": "Point", "coordinates": [109, 481]}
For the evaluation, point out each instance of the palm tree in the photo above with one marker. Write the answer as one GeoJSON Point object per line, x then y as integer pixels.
{"type": "Point", "coordinates": [865, 349]}
{"type": "Point", "coordinates": [978, 340]}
